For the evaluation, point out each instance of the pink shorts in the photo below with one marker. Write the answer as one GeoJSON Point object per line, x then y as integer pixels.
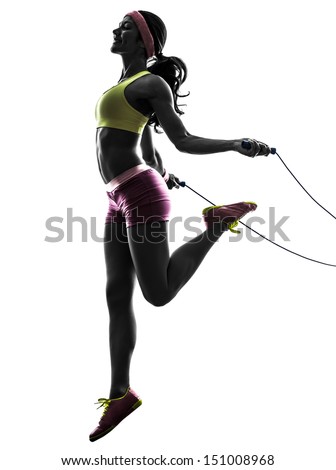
{"type": "Point", "coordinates": [138, 199]}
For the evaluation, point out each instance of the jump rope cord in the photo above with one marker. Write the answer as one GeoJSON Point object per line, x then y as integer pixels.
{"type": "Point", "coordinates": [183, 184]}
{"type": "Point", "coordinates": [332, 215]}
{"type": "Point", "coordinates": [286, 249]}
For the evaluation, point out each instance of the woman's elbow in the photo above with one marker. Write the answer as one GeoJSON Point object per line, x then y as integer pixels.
{"type": "Point", "coordinates": [181, 143]}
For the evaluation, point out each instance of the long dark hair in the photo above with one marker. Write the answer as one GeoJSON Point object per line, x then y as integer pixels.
{"type": "Point", "coordinates": [172, 69]}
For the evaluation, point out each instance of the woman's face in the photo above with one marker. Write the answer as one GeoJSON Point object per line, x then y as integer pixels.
{"type": "Point", "coordinates": [126, 38]}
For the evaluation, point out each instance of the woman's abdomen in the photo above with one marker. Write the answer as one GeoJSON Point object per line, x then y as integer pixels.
{"type": "Point", "coordinates": [116, 151]}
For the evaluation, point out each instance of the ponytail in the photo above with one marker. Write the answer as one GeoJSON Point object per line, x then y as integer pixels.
{"type": "Point", "coordinates": [174, 72]}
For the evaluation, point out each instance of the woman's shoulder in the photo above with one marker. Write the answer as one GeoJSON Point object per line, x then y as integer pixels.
{"type": "Point", "coordinates": [149, 86]}
{"type": "Point", "coordinates": [154, 84]}
{"type": "Point", "coordinates": [153, 79]}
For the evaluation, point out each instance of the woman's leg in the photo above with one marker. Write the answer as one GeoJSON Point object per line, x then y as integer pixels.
{"type": "Point", "coordinates": [161, 276]}
{"type": "Point", "coordinates": [119, 292]}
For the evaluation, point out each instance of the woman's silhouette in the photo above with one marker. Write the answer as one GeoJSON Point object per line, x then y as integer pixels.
{"type": "Point", "coordinates": [136, 244]}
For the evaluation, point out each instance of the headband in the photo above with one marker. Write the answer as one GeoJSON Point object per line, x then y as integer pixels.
{"type": "Point", "coordinates": [145, 34]}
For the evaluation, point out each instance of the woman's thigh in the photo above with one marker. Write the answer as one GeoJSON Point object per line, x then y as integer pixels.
{"type": "Point", "coordinates": [144, 203]}
{"type": "Point", "coordinates": [150, 254]}
{"type": "Point", "coordinates": [119, 264]}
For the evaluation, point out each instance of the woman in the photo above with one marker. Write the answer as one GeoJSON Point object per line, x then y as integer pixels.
{"type": "Point", "coordinates": [136, 225]}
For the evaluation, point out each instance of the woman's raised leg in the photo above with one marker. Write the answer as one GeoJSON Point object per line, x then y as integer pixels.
{"type": "Point", "coordinates": [161, 276]}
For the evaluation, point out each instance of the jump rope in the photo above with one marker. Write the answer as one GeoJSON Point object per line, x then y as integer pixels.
{"type": "Point", "coordinates": [247, 145]}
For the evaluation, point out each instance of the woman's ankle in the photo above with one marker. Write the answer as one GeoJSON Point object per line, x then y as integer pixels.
{"type": "Point", "coordinates": [118, 392]}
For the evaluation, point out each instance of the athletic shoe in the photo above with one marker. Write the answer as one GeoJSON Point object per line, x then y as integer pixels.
{"type": "Point", "coordinates": [115, 410]}
{"type": "Point", "coordinates": [229, 215]}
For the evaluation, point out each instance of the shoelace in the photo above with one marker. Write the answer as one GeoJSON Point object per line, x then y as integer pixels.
{"type": "Point", "coordinates": [232, 226]}
{"type": "Point", "coordinates": [105, 402]}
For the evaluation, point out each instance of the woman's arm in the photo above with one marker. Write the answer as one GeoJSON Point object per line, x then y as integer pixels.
{"type": "Point", "coordinates": [160, 98]}
{"type": "Point", "coordinates": [154, 160]}
{"type": "Point", "coordinates": [149, 152]}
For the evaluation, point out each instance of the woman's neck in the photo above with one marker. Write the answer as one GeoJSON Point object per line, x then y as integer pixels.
{"type": "Point", "coordinates": [132, 66]}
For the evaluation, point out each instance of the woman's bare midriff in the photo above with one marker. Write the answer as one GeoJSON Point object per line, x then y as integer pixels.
{"type": "Point", "coordinates": [116, 151]}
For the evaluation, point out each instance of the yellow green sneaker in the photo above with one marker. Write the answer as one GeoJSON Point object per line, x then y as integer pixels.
{"type": "Point", "coordinates": [229, 215]}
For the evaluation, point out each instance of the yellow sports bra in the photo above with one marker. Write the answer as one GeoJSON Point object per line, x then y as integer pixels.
{"type": "Point", "coordinates": [113, 110]}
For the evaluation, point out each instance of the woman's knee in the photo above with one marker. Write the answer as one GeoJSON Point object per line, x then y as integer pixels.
{"type": "Point", "coordinates": [157, 299]}
{"type": "Point", "coordinates": [119, 293]}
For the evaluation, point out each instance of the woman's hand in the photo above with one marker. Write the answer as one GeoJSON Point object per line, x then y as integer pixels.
{"type": "Point", "coordinates": [251, 148]}
{"type": "Point", "coordinates": [173, 181]}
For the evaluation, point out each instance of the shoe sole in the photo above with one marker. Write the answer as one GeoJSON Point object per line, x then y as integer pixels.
{"type": "Point", "coordinates": [133, 407]}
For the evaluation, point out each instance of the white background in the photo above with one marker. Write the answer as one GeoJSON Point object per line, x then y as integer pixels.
{"type": "Point", "coordinates": [242, 361]}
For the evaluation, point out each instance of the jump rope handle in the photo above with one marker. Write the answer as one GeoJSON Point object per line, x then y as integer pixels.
{"type": "Point", "coordinates": [247, 145]}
